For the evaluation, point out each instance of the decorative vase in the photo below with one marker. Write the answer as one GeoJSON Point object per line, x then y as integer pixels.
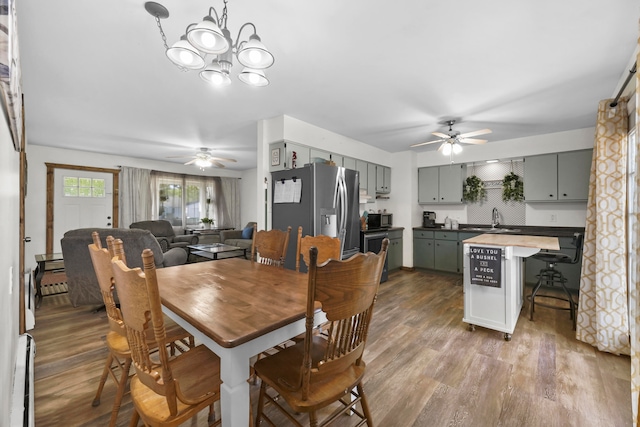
{"type": "Point", "coordinates": [207, 226]}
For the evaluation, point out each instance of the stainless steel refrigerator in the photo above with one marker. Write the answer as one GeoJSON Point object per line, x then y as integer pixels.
{"type": "Point", "coordinates": [329, 203]}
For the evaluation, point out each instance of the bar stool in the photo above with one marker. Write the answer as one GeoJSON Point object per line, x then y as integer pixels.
{"type": "Point", "coordinates": [551, 277]}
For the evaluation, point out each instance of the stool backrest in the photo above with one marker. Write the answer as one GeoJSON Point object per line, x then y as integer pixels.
{"type": "Point", "coordinates": [578, 241]}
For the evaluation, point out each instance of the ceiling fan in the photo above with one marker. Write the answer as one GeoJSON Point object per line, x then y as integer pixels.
{"type": "Point", "coordinates": [452, 139]}
{"type": "Point", "coordinates": [204, 158]}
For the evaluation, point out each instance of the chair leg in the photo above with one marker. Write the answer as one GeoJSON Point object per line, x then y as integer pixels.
{"type": "Point", "coordinates": [263, 390]}
{"type": "Point", "coordinates": [365, 405]}
{"type": "Point", "coordinates": [313, 419]}
{"type": "Point", "coordinates": [103, 379]}
{"type": "Point", "coordinates": [533, 294]}
{"type": "Point", "coordinates": [124, 377]}
{"type": "Point", "coordinates": [135, 417]}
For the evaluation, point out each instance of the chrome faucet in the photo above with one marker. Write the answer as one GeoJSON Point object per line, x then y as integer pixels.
{"type": "Point", "coordinates": [495, 218]}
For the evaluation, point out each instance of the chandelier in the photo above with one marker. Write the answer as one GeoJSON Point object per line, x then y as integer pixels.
{"type": "Point", "coordinates": [211, 37]}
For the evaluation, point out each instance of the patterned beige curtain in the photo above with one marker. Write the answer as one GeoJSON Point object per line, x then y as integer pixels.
{"type": "Point", "coordinates": [634, 262]}
{"type": "Point", "coordinates": [603, 310]}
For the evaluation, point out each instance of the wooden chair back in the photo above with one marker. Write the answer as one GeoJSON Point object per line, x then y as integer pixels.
{"type": "Point", "coordinates": [328, 248]}
{"type": "Point", "coordinates": [270, 245]}
{"type": "Point", "coordinates": [142, 314]}
{"type": "Point", "coordinates": [101, 259]}
{"type": "Point", "coordinates": [347, 292]}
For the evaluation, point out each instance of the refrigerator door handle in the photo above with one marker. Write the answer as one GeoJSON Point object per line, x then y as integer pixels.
{"type": "Point", "coordinates": [343, 212]}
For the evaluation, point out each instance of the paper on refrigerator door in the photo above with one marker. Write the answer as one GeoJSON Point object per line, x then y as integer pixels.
{"type": "Point", "coordinates": [287, 191]}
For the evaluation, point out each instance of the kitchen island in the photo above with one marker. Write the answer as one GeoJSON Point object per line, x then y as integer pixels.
{"type": "Point", "coordinates": [493, 278]}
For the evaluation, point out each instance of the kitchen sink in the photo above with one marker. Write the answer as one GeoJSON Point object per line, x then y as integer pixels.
{"type": "Point", "coordinates": [491, 230]}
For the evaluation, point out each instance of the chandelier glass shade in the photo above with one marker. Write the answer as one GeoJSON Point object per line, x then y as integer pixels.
{"type": "Point", "coordinates": [211, 37]}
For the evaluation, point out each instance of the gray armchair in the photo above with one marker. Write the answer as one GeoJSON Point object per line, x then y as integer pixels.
{"type": "Point", "coordinates": [234, 237]}
{"type": "Point", "coordinates": [81, 279]}
{"type": "Point", "coordinates": [166, 235]}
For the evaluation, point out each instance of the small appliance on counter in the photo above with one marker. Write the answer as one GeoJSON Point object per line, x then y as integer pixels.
{"type": "Point", "coordinates": [379, 220]}
{"type": "Point", "coordinates": [428, 219]}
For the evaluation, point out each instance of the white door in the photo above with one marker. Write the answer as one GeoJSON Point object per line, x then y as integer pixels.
{"type": "Point", "coordinates": [81, 199]}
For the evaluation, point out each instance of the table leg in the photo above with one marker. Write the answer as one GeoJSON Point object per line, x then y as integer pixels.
{"type": "Point", "coordinates": [39, 273]}
{"type": "Point", "coordinates": [235, 401]}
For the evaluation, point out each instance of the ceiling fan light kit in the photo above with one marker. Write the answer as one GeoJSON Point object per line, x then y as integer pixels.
{"type": "Point", "coordinates": [211, 37]}
{"type": "Point", "coordinates": [204, 158]}
{"type": "Point", "coordinates": [451, 141]}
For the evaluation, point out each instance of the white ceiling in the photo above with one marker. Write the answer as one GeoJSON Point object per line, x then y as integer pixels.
{"type": "Point", "coordinates": [95, 76]}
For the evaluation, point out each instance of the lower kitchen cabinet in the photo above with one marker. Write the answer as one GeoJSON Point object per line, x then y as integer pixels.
{"type": "Point", "coordinates": [423, 249]}
{"type": "Point", "coordinates": [395, 252]}
{"type": "Point", "coordinates": [462, 236]}
{"type": "Point", "coordinates": [446, 251]}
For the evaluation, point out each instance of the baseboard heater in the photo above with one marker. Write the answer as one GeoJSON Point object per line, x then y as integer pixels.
{"type": "Point", "coordinates": [22, 409]}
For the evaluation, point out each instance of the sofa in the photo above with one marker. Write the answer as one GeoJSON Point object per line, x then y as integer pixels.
{"type": "Point", "coordinates": [81, 279]}
{"type": "Point", "coordinates": [166, 235]}
{"type": "Point", "coordinates": [236, 238]}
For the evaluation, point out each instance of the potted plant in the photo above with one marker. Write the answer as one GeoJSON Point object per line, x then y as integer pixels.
{"type": "Point", "coordinates": [512, 188]}
{"type": "Point", "coordinates": [473, 189]}
{"type": "Point", "coordinates": [206, 222]}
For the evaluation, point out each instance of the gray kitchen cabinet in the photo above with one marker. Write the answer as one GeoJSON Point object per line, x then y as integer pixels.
{"type": "Point", "coordinates": [423, 249]}
{"type": "Point", "coordinates": [428, 185]}
{"type": "Point", "coordinates": [314, 154]}
{"type": "Point", "coordinates": [362, 168]}
{"type": "Point", "coordinates": [462, 236]}
{"type": "Point", "coordinates": [281, 155]}
{"type": "Point", "coordinates": [446, 251]}
{"type": "Point", "coordinates": [395, 251]}
{"type": "Point", "coordinates": [371, 181]}
{"type": "Point", "coordinates": [383, 179]}
{"type": "Point", "coordinates": [574, 170]}
{"type": "Point", "coordinates": [557, 177]}
{"type": "Point", "coordinates": [441, 184]}
{"type": "Point", "coordinates": [349, 163]}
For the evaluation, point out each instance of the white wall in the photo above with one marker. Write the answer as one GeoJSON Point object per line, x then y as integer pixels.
{"type": "Point", "coordinates": [9, 265]}
{"type": "Point", "coordinates": [248, 204]}
{"type": "Point", "coordinates": [35, 206]}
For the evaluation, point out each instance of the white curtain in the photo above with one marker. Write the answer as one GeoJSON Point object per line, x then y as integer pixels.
{"type": "Point", "coordinates": [634, 254]}
{"type": "Point", "coordinates": [231, 191]}
{"type": "Point", "coordinates": [135, 195]}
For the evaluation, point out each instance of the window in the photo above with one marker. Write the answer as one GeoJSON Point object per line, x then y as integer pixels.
{"type": "Point", "coordinates": [185, 200]}
{"type": "Point", "coordinates": [83, 187]}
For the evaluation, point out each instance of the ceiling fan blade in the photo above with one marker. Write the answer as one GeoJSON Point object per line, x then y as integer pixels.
{"type": "Point", "coordinates": [177, 157]}
{"type": "Point", "coordinates": [426, 143]}
{"type": "Point", "coordinates": [190, 162]}
{"type": "Point", "coordinates": [475, 133]}
{"type": "Point", "coordinates": [472, 141]}
{"type": "Point", "coordinates": [441, 135]}
{"type": "Point", "coordinates": [222, 159]}
{"type": "Point", "coordinates": [218, 164]}
{"type": "Point", "coordinates": [442, 146]}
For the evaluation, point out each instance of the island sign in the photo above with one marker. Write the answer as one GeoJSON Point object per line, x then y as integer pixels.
{"type": "Point", "coordinates": [484, 266]}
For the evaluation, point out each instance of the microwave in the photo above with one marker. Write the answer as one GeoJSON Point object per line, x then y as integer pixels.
{"type": "Point", "coordinates": [379, 220]}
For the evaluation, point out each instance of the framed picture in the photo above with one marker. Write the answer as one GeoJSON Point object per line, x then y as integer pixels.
{"type": "Point", "coordinates": [275, 157]}
{"type": "Point", "coordinates": [10, 76]}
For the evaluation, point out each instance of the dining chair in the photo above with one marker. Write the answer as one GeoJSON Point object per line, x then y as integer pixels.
{"type": "Point", "coordinates": [165, 391]}
{"type": "Point", "coordinates": [322, 370]}
{"type": "Point", "coordinates": [271, 246]}
{"type": "Point", "coordinates": [116, 339]}
{"type": "Point", "coordinates": [328, 247]}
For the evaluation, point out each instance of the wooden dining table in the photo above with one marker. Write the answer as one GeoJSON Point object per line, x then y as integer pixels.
{"type": "Point", "coordinates": [237, 308]}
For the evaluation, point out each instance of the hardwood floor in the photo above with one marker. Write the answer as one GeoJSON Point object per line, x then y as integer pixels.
{"type": "Point", "coordinates": [424, 368]}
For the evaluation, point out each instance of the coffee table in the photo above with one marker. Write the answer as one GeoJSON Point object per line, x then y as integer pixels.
{"type": "Point", "coordinates": [212, 251]}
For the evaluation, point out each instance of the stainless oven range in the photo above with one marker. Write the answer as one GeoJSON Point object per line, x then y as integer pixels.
{"type": "Point", "coordinates": [371, 241]}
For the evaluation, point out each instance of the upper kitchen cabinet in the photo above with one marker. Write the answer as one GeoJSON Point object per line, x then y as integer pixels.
{"type": "Point", "coordinates": [557, 177]}
{"type": "Point", "coordinates": [314, 154]}
{"type": "Point", "coordinates": [287, 155]}
{"type": "Point", "coordinates": [383, 179]}
{"type": "Point", "coordinates": [348, 162]}
{"type": "Point", "coordinates": [441, 184]}
{"type": "Point", "coordinates": [371, 181]}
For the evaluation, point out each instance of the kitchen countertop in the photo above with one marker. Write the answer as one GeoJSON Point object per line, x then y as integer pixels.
{"type": "Point", "coordinates": [378, 230]}
{"type": "Point", "coordinates": [529, 230]}
{"type": "Point", "coordinates": [524, 241]}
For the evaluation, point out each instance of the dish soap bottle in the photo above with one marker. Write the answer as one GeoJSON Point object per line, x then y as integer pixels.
{"type": "Point", "coordinates": [447, 223]}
